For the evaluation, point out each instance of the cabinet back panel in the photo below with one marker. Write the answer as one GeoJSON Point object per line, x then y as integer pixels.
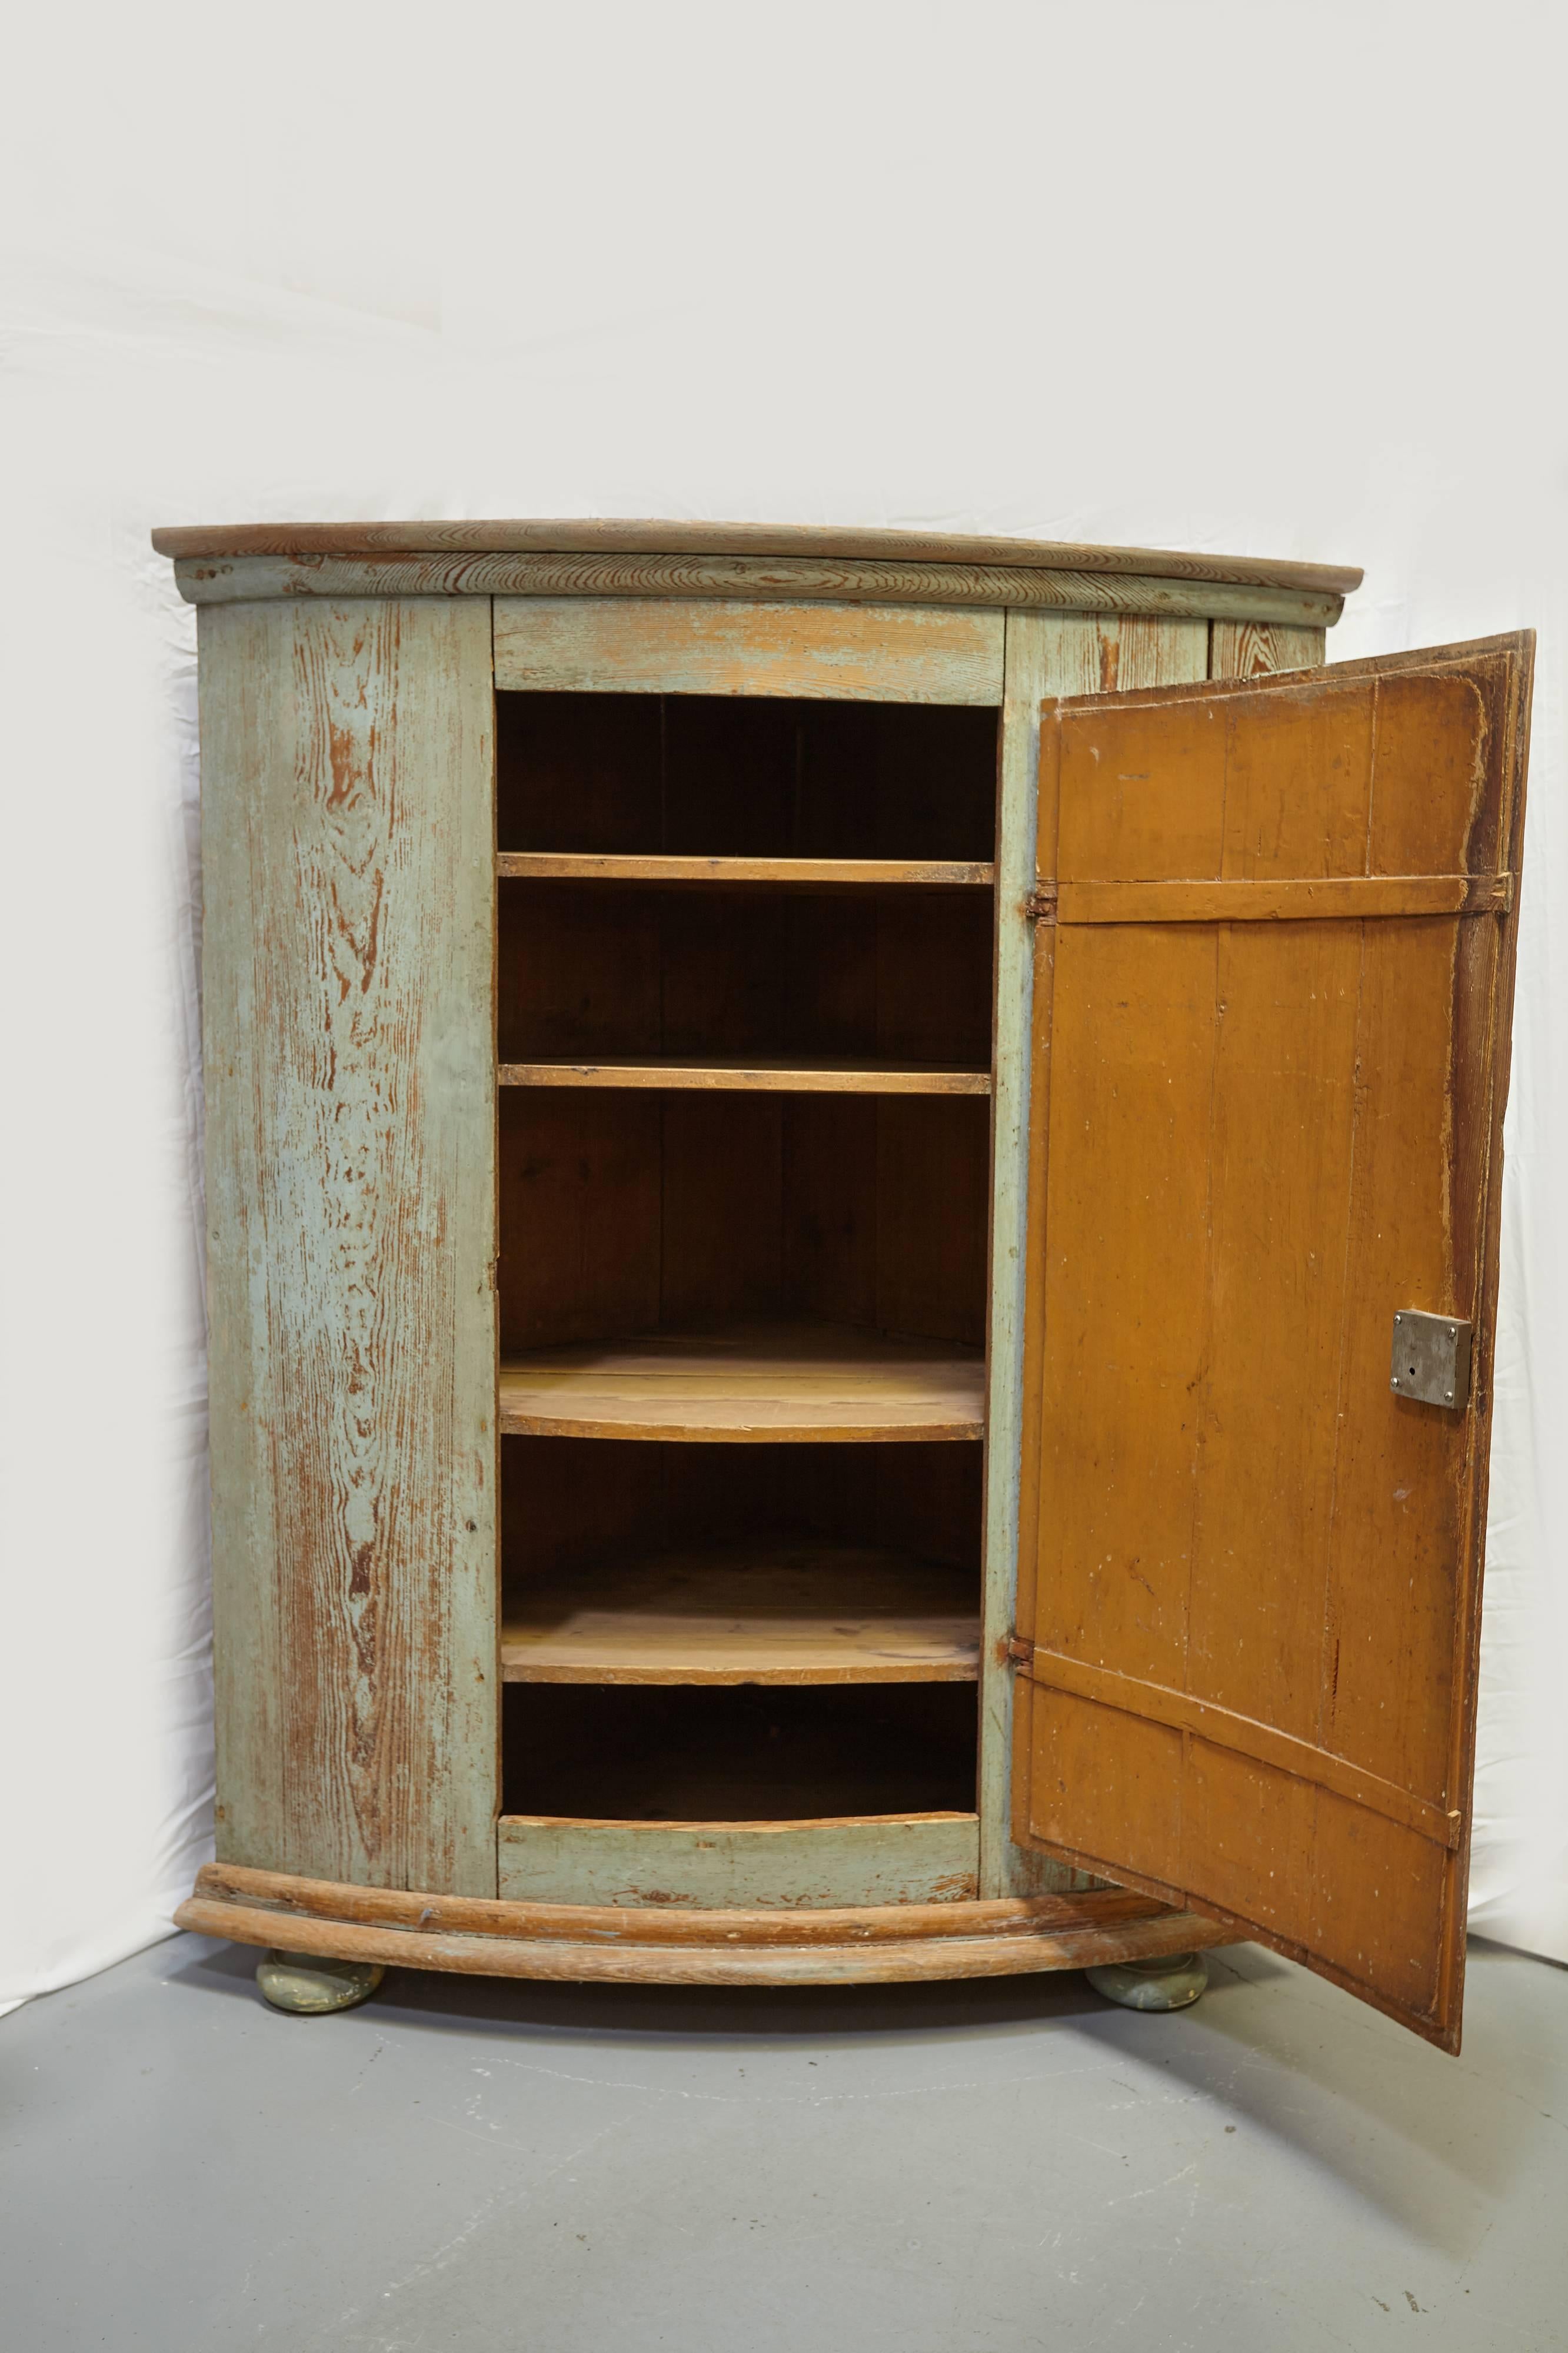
{"type": "Point", "coordinates": [567, 1502]}
{"type": "Point", "coordinates": [630, 1210]}
{"type": "Point", "coordinates": [739, 1752]}
{"type": "Point", "coordinates": [711, 775]}
{"type": "Point", "coordinates": [599, 971]}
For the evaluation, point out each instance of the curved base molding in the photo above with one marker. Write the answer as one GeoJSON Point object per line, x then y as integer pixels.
{"type": "Point", "coordinates": [884, 1944]}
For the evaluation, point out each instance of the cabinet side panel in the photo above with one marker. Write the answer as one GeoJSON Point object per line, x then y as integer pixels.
{"type": "Point", "coordinates": [348, 839]}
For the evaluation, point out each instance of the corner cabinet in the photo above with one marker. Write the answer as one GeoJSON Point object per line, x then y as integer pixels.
{"type": "Point", "coordinates": [853, 1187]}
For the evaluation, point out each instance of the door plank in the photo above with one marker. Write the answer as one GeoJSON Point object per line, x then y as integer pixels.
{"type": "Point", "coordinates": [1250, 1572]}
{"type": "Point", "coordinates": [1226, 1727]}
{"type": "Point", "coordinates": [348, 842]}
{"type": "Point", "coordinates": [1045, 655]}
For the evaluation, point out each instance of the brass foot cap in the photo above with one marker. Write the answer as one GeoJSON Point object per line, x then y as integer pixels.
{"type": "Point", "coordinates": [309, 1985]}
{"type": "Point", "coordinates": [1174, 1982]}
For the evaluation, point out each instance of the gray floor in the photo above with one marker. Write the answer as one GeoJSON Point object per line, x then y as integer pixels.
{"type": "Point", "coordinates": [945, 2169]}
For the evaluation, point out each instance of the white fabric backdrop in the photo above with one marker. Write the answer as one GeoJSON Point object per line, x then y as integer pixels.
{"type": "Point", "coordinates": [1262, 281]}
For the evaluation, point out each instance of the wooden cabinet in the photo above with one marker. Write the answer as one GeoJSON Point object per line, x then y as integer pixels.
{"type": "Point", "coordinates": [814, 1145]}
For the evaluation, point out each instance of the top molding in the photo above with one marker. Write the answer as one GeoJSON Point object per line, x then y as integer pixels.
{"type": "Point", "coordinates": [757, 539]}
{"type": "Point", "coordinates": [747, 560]}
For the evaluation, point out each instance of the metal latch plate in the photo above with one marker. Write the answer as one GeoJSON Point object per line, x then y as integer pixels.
{"type": "Point", "coordinates": [1431, 1359]}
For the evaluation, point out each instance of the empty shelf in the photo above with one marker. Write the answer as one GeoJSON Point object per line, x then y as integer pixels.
{"type": "Point", "coordinates": [808, 873]}
{"type": "Point", "coordinates": [774, 1614]}
{"type": "Point", "coordinates": [823, 1075]}
{"type": "Point", "coordinates": [779, 1383]}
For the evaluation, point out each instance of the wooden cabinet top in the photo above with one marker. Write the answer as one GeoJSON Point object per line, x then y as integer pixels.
{"type": "Point", "coordinates": [221, 562]}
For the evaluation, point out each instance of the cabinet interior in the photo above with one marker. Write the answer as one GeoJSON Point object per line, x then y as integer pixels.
{"type": "Point", "coordinates": [743, 1123]}
{"type": "Point", "coordinates": [730, 775]}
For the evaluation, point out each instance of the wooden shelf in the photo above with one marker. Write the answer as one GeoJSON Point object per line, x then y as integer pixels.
{"type": "Point", "coordinates": [824, 1075]}
{"type": "Point", "coordinates": [778, 1614]}
{"type": "Point", "coordinates": [779, 1382]}
{"type": "Point", "coordinates": [796, 873]}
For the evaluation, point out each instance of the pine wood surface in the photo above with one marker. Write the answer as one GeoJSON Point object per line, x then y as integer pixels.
{"type": "Point", "coordinates": [1254, 649]}
{"type": "Point", "coordinates": [629, 1209]}
{"type": "Point", "coordinates": [1250, 1573]}
{"type": "Point", "coordinates": [1046, 654]}
{"type": "Point", "coordinates": [780, 1614]}
{"type": "Point", "coordinates": [912, 1500]}
{"type": "Point", "coordinates": [781, 1383]}
{"type": "Point", "coordinates": [801, 873]}
{"type": "Point", "coordinates": [651, 580]}
{"type": "Point", "coordinates": [346, 775]}
{"type": "Point", "coordinates": [783, 1076]}
{"type": "Point", "coordinates": [715, 645]}
{"type": "Point", "coordinates": [654, 1945]}
{"type": "Point", "coordinates": [745, 777]}
{"type": "Point", "coordinates": [909, 1861]}
{"type": "Point", "coordinates": [1283, 900]}
{"type": "Point", "coordinates": [595, 536]}
{"type": "Point", "coordinates": [616, 975]}
{"type": "Point", "coordinates": [299, 1898]}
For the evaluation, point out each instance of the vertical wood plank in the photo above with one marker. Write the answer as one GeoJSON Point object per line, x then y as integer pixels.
{"type": "Point", "coordinates": [1045, 654]}
{"type": "Point", "coordinates": [1253, 648]}
{"type": "Point", "coordinates": [348, 835]}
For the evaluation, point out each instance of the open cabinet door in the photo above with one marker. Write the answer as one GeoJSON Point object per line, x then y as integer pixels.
{"type": "Point", "coordinates": [1274, 978]}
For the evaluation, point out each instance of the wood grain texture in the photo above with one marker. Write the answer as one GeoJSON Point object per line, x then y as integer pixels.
{"type": "Point", "coordinates": [770, 1383]}
{"type": "Point", "coordinates": [822, 1076]}
{"type": "Point", "coordinates": [920, 1958]}
{"type": "Point", "coordinates": [718, 873]}
{"type": "Point", "coordinates": [722, 646]}
{"type": "Point", "coordinates": [296, 1898]}
{"type": "Point", "coordinates": [920, 1501]}
{"type": "Point", "coordinates": [835, 981]}
{"type": "Point", "coordinates": [595, 536]}
{"type": "Point", "coordinates": [627, 1209]}
{"type": "Point", "coordinates": [744, 581]}
{"type": "Point", "coordinates": [346, 772]}
{"type": "Point", "coordinates": [1254, 648]}
{"type": "Point", "coordinates": [1251, 1573]}
{"type": "Point", "coordinates": [1045, 655]}
{"type": "Point", "coordinates": [918, 1860]}
{"type": "Point", "coordinates": [1243, 1736]}
{"type": "Point", "coordinates": [651, 1943]}
{"type": "Point", "coordinates": [757, 1613]}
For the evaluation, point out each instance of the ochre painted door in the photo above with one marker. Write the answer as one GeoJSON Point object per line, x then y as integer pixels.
{"type": "Point", "coordinates": [1274, 967]}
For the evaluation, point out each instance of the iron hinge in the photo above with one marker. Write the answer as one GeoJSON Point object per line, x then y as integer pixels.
{"type": "Point", "coordinates": [1040, 906]}
{"type": "Point", "coordinates": [1019, 1652]}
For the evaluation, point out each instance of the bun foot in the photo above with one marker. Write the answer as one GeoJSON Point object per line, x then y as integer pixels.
{"type": "Point", "coordinates": [309, 1985]}
{"type": "Point", "coordinates": [1172, 1982]}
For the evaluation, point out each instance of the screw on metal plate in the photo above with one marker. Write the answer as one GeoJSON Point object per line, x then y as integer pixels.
{"type": "Point", "coordinates": [1431, 1360]}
